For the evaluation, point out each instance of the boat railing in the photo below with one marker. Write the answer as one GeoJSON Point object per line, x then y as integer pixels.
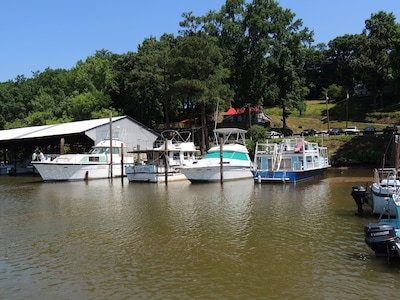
{"type": "Point", "coordinates": [230, 136]}
{"type": "Point", "coordinates": [175, 136]}
{"type": "Point", "coordinates": [383, 173]}
{"type": "Point", "coordinates": [262, 148]}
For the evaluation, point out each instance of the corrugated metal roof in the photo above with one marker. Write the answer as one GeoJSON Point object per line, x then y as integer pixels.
{"type": "Point", "coordinates": [54, 129]}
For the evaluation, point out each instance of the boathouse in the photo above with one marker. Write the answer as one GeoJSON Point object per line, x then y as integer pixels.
{"type": "Point", "coordinates": [17, 145]}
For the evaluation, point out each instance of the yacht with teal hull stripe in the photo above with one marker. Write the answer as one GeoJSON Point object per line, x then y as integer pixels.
{"type": "Point", "coordinates": [228, 159]}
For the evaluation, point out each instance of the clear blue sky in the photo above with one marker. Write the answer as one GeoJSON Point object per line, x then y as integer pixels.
{"type": "Point", "coordinates": [37, 34]}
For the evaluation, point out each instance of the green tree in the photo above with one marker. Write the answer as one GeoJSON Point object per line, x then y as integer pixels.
{"type": "Point", "coordinates": [124, 99]}
{"type": "Point", "coordinates": [268, 50]}
{"type": "Point", "coordinates": [199, 76]}
{"type": "Point", "coordinates": [14, 101]}
{"type": "Point", "coordinates": [395, 61]}
{"type": "Point", "coordinates": [285, 61]}
{"type": "Point", "coordinates": [85, 106]}
{"type": "Point", "coordinates": [334, 92]}
{"type": "Point", "coordinates": [227, 25]}
{"type": "Point", "coordinates": [96, 73]}
{"type": "Point", "coordinates": [50, 102]}
{"type": "Point", "coordinates": [374, 47]}
{"type": "Point", "coordinates": [314, 69]}
{"type": "Point", "coordinates": [341, 53]}
{"type": "Point", "coordinates": [151, 81]}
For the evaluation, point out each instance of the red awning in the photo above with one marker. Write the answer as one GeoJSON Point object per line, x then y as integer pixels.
{"type": "Point", "coordinates": [231, 111]}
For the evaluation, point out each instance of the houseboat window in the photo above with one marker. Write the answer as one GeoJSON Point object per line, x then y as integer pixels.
{"type": "Point", "coordinates": [286, 163]}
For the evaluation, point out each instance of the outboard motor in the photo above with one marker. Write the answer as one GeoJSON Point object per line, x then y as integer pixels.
{"type": "Point", "coordinates": [360, 195]}
{"type": "Point", "coordinates": [382, 239]}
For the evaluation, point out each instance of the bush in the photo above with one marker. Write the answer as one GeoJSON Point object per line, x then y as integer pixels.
{"type": "Point", "coordinates": [334, 92]}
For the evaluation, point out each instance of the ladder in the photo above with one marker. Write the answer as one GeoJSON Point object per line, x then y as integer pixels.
{"type": "Point", "coordinates": [277, 158]}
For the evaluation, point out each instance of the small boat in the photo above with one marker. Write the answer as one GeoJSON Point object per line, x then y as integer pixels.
{"type": "Point", "coordinates": [291, 160]}
{"type": "Point", "coordinates": [384, 186]}
{"type": "Point", "coordinates": [384, 237]}
{"type": "Point", "coordinates": [228, 159]}
{"type": "Point", "coordinates": [163, 161]}
{"type": "Point", "coordinates": [96, 164]}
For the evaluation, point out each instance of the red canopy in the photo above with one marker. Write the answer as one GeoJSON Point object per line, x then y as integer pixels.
{"type": "Point", "coordinates": [231, 111]}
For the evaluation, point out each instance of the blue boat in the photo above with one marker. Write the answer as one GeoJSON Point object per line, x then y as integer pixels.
{"type": "Point", "coordinates": [291, 160]}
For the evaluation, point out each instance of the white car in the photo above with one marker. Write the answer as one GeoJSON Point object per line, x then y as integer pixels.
{"type": "Point", "coordinates": [352, 130]}
{"type": "Point", "coordinates": [274, 135]}
{"type": "Point", "coordinates": [321, 133]}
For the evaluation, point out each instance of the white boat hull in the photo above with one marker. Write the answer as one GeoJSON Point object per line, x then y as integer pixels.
{"type": "Point", "coordinates": [65, 172]}
{"type": "Point", "coordinates": [213, 173]}
{"type": "Point", "coordinates": [385, 185]}
{"type": "Point", "coordinates": [381, 199]}
{"type": "Point", "coordinates": [93, 165]}
{"type": "Point", "coordinates": [152, 173]}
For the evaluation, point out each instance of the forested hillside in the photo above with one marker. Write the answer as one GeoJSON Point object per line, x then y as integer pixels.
{"type": "Point", "coordinates": [232, 57]}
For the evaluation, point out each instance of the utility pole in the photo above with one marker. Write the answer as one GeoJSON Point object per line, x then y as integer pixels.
{"type": "Point", "coordinates": [347, 108]}
{"type": "Point", "coordinates": [327, 111]}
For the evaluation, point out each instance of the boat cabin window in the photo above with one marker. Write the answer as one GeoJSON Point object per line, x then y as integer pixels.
{"type": "Point", "coordinates": [94, 158]}
{"type": "Point", "coordinates": [105, 150]}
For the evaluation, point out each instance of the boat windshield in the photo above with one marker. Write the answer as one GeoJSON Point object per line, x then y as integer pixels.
{"type": "Point", "coordinates": [104, 150]}
{"type": "Point", "coordinates": [227, 154]}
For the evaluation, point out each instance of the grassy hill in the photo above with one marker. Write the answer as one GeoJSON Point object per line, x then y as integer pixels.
{"type": "Point", "coordinates": [347, 150]}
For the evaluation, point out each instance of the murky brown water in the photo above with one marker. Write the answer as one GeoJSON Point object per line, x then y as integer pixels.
{"type": "Point", "coordinates": [108, 240]}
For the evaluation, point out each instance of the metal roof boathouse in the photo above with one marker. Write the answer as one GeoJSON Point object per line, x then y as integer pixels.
{"type": "Point", "coordinates": [79, 135]}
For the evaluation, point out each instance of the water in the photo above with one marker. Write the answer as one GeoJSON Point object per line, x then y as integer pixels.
{"type": "Point", "coordinates": [119, 240]}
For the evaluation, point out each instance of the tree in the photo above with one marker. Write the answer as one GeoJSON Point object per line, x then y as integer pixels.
{"type": "Point", "coordinates": [286, 59]}
{"type": "Point", "coordinates": [395, 60]}
{"type": "Point", "coordinates": [199, 76]}
{"type": "Point", "coordinates": [85, 106]}
{"type": "Point", "coordinates": [334, 92]}
{"type": "Point", "coordinates": [315, 70]}
{"type": "Point", "coordinates": [14, 102]}
{"type": "Point", "coordinates": [267, 50]}
{"type": "Point", "coordinates": [151, 80]}
{"type": "Point", "coordinates": [340, 55]}
{"type": "Point", "coordinates": [374, 47]}
{"type": "Point", "coordinates": [96, 73]}
{"type": "Point", "coordinates": [227, 25]}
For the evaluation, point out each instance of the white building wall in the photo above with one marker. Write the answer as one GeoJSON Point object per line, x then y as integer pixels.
{"type": "Point", "coordinates": [132, 134]}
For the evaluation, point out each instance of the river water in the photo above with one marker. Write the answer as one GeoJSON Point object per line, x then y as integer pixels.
{"type": "Point", "coordinates": [108, 239]}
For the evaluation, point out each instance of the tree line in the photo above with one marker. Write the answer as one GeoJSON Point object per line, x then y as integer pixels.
{"type": "Point", "coordinates": [246, 53]}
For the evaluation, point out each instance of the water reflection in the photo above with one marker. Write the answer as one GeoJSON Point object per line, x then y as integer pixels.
{"type": "Point", "coordinates": [104, 239]}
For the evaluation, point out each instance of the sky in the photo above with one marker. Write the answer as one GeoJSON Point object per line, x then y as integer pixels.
{"type": "Point", "coordinates": [41, 34]}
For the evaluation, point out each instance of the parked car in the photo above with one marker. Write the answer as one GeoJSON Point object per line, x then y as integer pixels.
{"type": "Point", "coordinates": [308, 132]}
{"type": "Point", "coordinates": [322, 132]}
{"type": "Point", "coordinates": [390, 129]}
{"type": "Point", "coordinates": [286, 131]}
{"type": "Point", "coordinates": [369, 130]}
{"type": "Point", "coordinates": [352, 130]}
{"type": "Point", "coordinates": [274, 135]}
{"type": "Point", "coordinates": [336, 131]}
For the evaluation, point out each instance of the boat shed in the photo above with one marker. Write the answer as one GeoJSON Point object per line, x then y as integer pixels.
{"type": "Point", "coordinates": [88, 133]}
